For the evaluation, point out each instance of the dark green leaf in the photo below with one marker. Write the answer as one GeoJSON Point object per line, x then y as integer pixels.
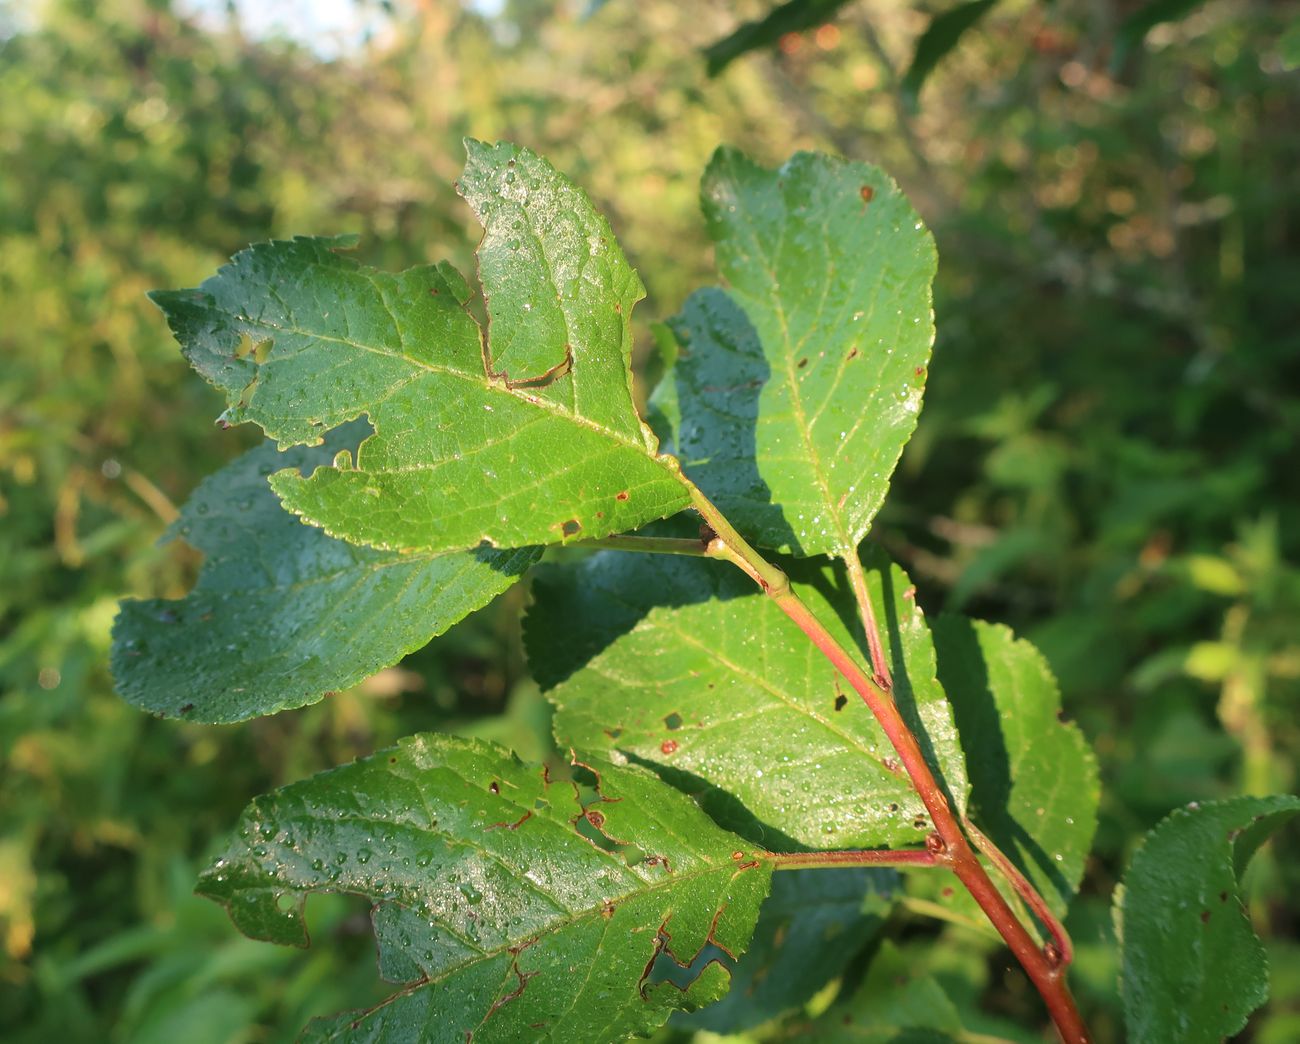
{"type": "Point", "coordinates": [728, 699]}
{"type": "Point", "coordinates": [798, 386]}
{"type": "Point", "coordinates": [940, 37]}
{"type": "Point", "coordinates": [528, 439]}
{"type": "Point", "coordinates": [504, 907]}
{"type": "Point", "coordinates": [1193, 969]}
{"type": "Point", "coordinates": [1034, 784]}
{"type": "Point", "coordinates": [1134, 28]}
{"type": "Point", "coordinates": [896, 1004]}
{"type": "Point", "coordinates": [791, 17]}
{"type": "Point", "coordinates": [814, 923]}
{"type": "Point", "coordinates": [283, 614]}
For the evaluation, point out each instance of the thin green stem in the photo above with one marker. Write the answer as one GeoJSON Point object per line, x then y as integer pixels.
{"type": "Point", "coordinates": [1044, 968]}
{"type": "Point", "coordinates": [651, 545]}
{"type": "Point", "coordinates": [939, 912]}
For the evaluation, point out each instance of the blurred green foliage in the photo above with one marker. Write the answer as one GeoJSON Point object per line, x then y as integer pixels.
{"type": "Point", "coordinates": [1107, 459]}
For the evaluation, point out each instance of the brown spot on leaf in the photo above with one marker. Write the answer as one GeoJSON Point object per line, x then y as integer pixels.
{"type": "Point", "coordinates": [595, 818]}
{"type": "Point", "coordinates": [840, 701]}
{"type": "Point", "coordinates": [668, 746]}
{"type": "Point", "coordinates": [802, 363]}
{"type": "Point", "coordinates": [622, 496]}
{"type": "Point", "coordinates": [571, 528]}
{"type": "Point", "coordinates": [867, 193]}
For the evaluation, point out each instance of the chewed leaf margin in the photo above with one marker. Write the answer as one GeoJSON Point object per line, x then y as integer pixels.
{"type": "Point", "coordinates": [494, 883]}
{"type": "Point", "coordinates": [529, 436]}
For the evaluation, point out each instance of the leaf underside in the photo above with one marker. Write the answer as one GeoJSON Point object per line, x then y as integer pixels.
{"type": "Point", "coordinates": [529, 436]}
{"type": "Point", "coordinates": [812, 925]}
{"type": "Point", "coordinates": [496, 914]}
{"type": "Point", "coordinates": [282, 613]}
{"type": "Point", "coordinates": [1193, 968]}
{"type": "Point", "coordinates": [798, 385]}
{"type": "Point", "coordinates": [726, 699]}
{"type": "Point", "coordinates": [1034, 782]}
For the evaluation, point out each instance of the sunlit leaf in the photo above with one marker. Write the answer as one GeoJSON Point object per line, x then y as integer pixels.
{"type": "Point", "coordinates": [799, 384]}
{"type": "Point", "coordinates": [526, 436]}
{"type": "Point", "coordinates": [727, 699]}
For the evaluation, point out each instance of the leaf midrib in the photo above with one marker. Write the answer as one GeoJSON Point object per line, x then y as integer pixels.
{"type": "Point", "coordinates": [580, 917]}
{"type": "Point", "coordinates": [480, 383]}
{"type": "Point", "coordinates": [801, 416]}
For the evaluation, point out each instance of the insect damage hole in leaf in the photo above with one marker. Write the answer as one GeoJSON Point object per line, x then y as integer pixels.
{"type": "Point", "coordinates": [465, 916]}
{"type": "Point", "coordinates": [504, 436]}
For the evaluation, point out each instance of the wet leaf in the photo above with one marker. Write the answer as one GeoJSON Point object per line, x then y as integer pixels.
{"type": "Point", "coordinates": [727, 699]}
{"type": "Point", "coordinates": [799, 384]}
{"type": "Point", "coordinates": [1193, 968]}
{"type": "Point", "coordinates": [529, 436]}
{"type": "Point", "coordinates": [505, 908]}
{"type": "Point", "coordinates": [1034, 782]}
{"type": "Point", "coordinates": [282, 613]}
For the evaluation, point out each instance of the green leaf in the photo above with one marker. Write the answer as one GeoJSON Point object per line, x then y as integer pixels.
{"type": "Point", "coordinates": [791, 17]}
{"type": "Point", "coordinates": [504, 907]}
{"type": "Point", "coordinates": [895, 1003]}
{"type": "Point", "coordinates": [814, 922]}
{"type": "Point", "coordinates": [283, 614]}
{"type": "Point", "coordinates": [726, 698]}
{"type": "Point", "coordinates": [529, 437]}
{"type": "Point", "coordinates": [1289, 46]}
{"type": "Point", "coordinates": [1193, 969]}
{"type": "Point", "coordinates": [799, 385]}
{"type": "Point", "coordinates": [1034, 782]}
{"type": "Point", "coordinates": [941, 36]}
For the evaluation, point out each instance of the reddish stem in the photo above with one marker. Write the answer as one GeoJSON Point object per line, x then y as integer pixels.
{"type": "Point", "coordinates": [1026, 891]}
{"type": "Point", "coordinates": [879, 662]}
{"type": "Point", "coordinates": [863, 857]}
{"type": "Point", "coordinates": [1044, 969]}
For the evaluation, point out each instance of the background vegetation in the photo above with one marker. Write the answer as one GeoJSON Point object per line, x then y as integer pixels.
{"type": "Point", "coordinates": [1107, 459]}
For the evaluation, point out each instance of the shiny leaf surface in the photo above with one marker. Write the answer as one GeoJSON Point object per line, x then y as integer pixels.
{"type": "Point", "coordinates": [726, 698]}
{"type": "Point", "coordinates": [505, 907]}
